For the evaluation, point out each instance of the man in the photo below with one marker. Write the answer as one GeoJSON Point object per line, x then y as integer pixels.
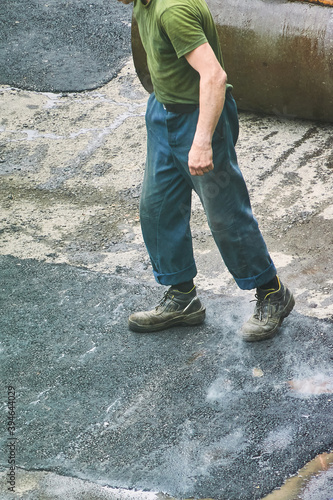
{"type": "Point", "coordinates": [192, 129]}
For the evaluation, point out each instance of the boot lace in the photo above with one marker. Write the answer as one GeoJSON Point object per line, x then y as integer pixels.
{"type": "Point", "coordinates": [167, 295]}
{"type": "Point", "coordinates": [261, 302]}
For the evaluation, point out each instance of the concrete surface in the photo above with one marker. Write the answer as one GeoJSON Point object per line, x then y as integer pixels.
{"type": "Point", "coordinates": [101, 412]}
{"type": "Point", "coordinates": [71, 169]}
{"type": "Point", "coordinates": [189, 413]}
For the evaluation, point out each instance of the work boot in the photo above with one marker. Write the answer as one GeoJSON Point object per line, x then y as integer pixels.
{"type": "Point", "coordinates": [176, 308]}
{"type": "Point", "coordinates": [271, 308]}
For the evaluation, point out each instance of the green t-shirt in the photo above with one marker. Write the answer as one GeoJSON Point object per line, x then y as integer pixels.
{"type": "Point", "coordinates": [168, 30]}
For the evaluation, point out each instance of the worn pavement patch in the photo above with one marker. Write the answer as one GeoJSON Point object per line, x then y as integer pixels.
{"type": "Point", "coordinates": [182, 412]}
{"type": "Point", "coordinates": [60, 45]}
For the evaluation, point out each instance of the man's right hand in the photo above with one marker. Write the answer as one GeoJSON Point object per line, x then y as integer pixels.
{"type": "Point", "coordinates": [200, 159]}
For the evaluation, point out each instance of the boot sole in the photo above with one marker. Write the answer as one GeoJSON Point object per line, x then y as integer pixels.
{"type": "Point", "coordinates": [192, 319]}
{"type": "Point", "coordinates": [252, 337]}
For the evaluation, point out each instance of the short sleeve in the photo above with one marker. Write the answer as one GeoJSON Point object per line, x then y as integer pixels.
{"type": "Point", "coordinates": [183, 28]}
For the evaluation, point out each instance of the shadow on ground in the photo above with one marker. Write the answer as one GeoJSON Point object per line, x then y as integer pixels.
{"type": "Point", "coordinates": [182, 412]}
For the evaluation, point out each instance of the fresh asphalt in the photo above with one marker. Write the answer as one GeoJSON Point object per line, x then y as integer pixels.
{"type": "Point", "coordinates": [192, 412]}
{"type": "Point", "coordinates": [62, 45]}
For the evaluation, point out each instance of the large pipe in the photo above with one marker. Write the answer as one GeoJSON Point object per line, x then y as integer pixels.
{"type": "Point", "coordinates": [278, 55]}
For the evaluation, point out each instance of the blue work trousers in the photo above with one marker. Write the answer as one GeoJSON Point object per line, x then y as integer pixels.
{"type": "Point", "coordinates": [165, 205]}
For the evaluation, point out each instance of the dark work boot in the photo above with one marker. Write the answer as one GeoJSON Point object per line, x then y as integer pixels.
{"type": "Point", "coordinates": [271, 308]}
{"type": "Point", "coordinates": [175, 309]}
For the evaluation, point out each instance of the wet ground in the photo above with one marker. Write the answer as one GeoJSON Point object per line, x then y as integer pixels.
{"type": "Point", "coordinates": [104, 413]}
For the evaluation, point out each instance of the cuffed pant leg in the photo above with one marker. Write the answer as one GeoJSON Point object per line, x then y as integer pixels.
{"type": "Point", "coordinates": [165, 205]}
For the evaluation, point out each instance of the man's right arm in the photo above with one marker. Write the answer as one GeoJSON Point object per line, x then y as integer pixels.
{"type": "Point", "coordinates": [212, 90]}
